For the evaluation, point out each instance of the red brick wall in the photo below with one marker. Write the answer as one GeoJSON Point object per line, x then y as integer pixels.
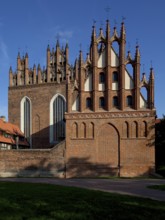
{"type": "Point", "coordinates": [109, 152]}
{"type": "Point", "coordinates": [38, 163]}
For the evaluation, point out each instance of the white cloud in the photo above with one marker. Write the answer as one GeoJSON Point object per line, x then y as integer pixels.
{"type": "Point", "coordinates": [62, 35]}
{"type": "Point", "coordinates": [3, 50]}
{"type": "Point", "coordinates": [4, 56]}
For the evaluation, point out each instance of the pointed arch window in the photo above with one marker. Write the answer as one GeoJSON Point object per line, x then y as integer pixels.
{"type": "Point", "coordinates": [126, 130]}
{"type": "Point", "coordinates": [75, 130]}
{"type": "Point", "coordinates": [91, 130]}
{"type": "Point", "coordinates": [57, 122]}
{"type": "Point", "coordinates": [134, 129]}
{"type": "Point", "coordinates": [144, 129]}
{"type": "Point", "coordinates": [26, 118]}
{"type": "Point", "coordinates": [83, 130]}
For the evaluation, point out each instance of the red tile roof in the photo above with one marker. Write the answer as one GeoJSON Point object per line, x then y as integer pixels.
{"type": "Point", "coordinates": [10, 128]}
{"type": "Point", "coordinates": [13, 130]}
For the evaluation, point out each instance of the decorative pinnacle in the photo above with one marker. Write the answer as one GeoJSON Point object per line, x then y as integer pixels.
{"type": "Point", "coordinates": [137, 51]}
{"type": "Point", "coordinates": [151, 74]}
{"type": "Point", "coordinates": [67, 45]}
{"type": "Point", "coordinates": [48, 48]}
{"type": "Point", "coordinates": [18, 55]}
{"type": "Point", "coordinates": [122, 29]}
{"type": "Point", "coordinates": [94, 31]}
{"type": "Point", "coordinates": [57, 43]}
{"type": "Point", "coordinates": [108, 28]}
{"type": "Point", "coordinates": [10, 70]}
{"type": "Point", "coordinates": [129, 56]}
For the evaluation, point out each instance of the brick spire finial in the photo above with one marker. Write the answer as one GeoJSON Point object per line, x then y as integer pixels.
{"type": "Point", "coordinates": [137, 53]}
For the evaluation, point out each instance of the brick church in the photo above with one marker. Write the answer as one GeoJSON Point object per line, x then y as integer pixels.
{"type": "Point", "coordinates": [95, 106]}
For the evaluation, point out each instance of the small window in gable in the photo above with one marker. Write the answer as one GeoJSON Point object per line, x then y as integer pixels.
{"type": "Point", "coordinates": [102, 78]}
{"type": "Point", "coordinates": [101, 102]}
{"type": "Point", "coordinates": [115, 76]}
{"type": "Point", "coordinates": [129, 101]}
{"type": "Point", "coordinates": [115, 101]}
{"type": "Point", "coordinates": [88, 103]}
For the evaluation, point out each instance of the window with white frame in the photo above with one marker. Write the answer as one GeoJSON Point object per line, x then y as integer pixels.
{"type": "Point", "coordinates": [26, 118]}
{"type": "Point", "coordinates": [57, 123]}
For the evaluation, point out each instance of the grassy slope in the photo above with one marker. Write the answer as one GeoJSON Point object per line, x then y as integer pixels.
{"type": "Point", "coordinates": [21, 201]}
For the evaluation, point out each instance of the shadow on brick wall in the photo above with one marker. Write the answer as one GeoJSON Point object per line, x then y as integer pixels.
{"type": "Point", "coordinates": [44, 168]}
{"type": "Point", "coordinates": [40, 139]}
{"type": "Point", "coordinates": [82, 167]}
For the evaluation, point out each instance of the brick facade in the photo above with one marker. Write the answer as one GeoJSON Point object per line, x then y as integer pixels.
{"type": "Point", "coordinates": [109, 124]}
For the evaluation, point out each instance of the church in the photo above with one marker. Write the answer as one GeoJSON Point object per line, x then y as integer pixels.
{"type": "Point", "coordinates": [96, 107]}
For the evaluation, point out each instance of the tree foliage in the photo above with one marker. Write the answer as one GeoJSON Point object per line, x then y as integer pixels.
{"type": "Point", "coordinates": [160, 145]}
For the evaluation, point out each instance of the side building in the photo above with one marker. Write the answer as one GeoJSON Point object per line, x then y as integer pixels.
{"type": "Point", "coordinates": [11, 136]}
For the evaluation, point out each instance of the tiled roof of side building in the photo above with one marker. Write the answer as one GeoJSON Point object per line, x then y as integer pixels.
{"type": "Point", "coordinates": [10, 128]}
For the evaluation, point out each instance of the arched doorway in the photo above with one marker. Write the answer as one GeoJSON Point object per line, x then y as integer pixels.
{"type": "Point", "coordinates": [108, 158]}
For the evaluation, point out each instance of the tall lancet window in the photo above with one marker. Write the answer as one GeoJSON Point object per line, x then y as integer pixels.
{"type": "Point", "coordinates": [26, 118]}
{"type": "Point", "coordinates": [57, 123]}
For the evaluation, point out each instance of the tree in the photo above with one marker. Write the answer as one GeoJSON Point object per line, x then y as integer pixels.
{"type": "Point", "coordinates": [160, 145]}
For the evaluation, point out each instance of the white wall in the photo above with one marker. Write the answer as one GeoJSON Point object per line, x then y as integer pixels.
{"type": "Point", "coordinates": [102, 60]}
{"type": "Point", "coordinates": [128, 81]}
{"type": "Point", "coordinates": [88, 83]}
{"type": "Point", "coordinates": [75, 106]}
{"type": "Point", "coordinates": [114, 58]}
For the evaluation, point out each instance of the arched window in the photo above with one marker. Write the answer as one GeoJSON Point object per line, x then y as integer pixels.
{"type": "Point", "coordinates": [129, 101]}
{"type": "Point", "coordinates": [88, 103]}
{"type": "Point", "coordinates": [101, 102]}
{"type": "Point", "coordinates": [115, 76]}
{"type": "Point", "coordinates": [115, 101]}
{"type": "Point", "coordinates": [57, 123]}
{"type": "Point", "coordinates": [101, 77]}
{"type": "Point", "coordinates": [26, 118]}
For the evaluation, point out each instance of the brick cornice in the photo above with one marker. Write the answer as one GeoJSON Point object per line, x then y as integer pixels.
{"type": "Point", "coordinates": [103, 115]}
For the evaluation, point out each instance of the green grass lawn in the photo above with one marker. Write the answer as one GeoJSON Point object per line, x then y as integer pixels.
{"type": "Point", "coordinates": [21, 201]}
{"type": "Point", "coordinates": [158, 187]}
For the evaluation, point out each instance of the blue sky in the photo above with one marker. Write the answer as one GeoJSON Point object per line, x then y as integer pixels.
{"type": "Point", "coordinates": [30, 25]}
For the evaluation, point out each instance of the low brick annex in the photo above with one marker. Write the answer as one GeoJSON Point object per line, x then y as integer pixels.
{"type": "Point", "coordinates": [96, 106]}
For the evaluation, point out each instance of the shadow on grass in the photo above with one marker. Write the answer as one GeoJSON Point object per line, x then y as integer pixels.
{"type": "Point", "coordinates": [21, 201]}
